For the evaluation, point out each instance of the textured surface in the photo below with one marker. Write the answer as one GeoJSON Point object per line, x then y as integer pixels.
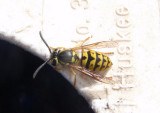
{"type": "Point", "coordinates": [134, 24]}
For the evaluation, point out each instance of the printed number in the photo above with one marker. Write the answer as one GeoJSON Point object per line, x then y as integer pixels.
{"type": "Point", "coordinates": [75, 4]}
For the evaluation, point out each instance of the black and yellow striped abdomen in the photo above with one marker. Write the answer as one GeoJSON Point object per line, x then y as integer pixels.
{"type": "Point", "coordinates": [95, 61]}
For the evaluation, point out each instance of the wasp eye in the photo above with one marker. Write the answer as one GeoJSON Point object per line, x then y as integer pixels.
{"type": "Point", "coordinates": [55, 53]}
{"type": "Point", "coordinates": [54, 62]}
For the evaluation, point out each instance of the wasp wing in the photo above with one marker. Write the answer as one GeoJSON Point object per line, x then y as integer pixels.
{"type": "Point", "coordinates": [100, 78]}
{"type": "Point", "coordinates": [102, 44]}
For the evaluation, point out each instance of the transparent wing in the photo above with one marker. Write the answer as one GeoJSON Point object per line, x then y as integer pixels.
{"type": "Point", "coordinates": [100, 78]}
{"type": "Point", "coordinates": [102, 44]}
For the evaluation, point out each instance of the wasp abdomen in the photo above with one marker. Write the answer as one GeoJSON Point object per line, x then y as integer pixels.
{"type": "Point", "coordinates": [95, 61]}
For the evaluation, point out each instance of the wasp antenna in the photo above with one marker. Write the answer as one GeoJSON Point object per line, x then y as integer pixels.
{"type": "Point", "coordinates": [39, 68]}
{"type": "Point", "coordinates": [44, 41]}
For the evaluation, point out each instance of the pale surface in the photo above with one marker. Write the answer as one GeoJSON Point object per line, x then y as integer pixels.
{"type": "Point", "coordinates": [134, 24]}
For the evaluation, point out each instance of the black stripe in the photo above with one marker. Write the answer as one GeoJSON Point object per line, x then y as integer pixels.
{"type": "Point", "coordinates": [76, 57]}
{"type": "Point", "coordinates": [108, 63]}
{"type": "Point", "coordinates": [90, 58]}
{"type": "Point", "coordinates": [83, 58]}
{"type": "Point", "coordinates": [103, 62]}
{"type": "Point", "coordinates": [97, 61]}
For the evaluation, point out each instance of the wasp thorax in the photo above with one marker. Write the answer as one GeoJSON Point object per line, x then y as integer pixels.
{"type": "Point", "coordinates": [67, 57]}
{"type": "Point", "coordinates": [63, 57]}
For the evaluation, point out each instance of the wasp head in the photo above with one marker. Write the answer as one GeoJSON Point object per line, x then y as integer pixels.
{"type": "Point", "coordinates": [54, 57]}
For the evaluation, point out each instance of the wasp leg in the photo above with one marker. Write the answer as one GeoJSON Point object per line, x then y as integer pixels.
{"type": "Point", "coordinates": [82, 42]}
{"type": "Point", "coordinates": [61, 47]}
{"type": "Point", "coordinates": [58, 68]}
{"type": "Point", "coordinates": [74, 75]}
{"type": "Point", "coordinates": [51, 48]}
{"type": "Point", "coordinates": [109, 53]}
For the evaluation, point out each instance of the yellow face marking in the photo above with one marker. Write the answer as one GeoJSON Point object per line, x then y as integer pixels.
{"type": "Point", "coordinates": [54, 61]}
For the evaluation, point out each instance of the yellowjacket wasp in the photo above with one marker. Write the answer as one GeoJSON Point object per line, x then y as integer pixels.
{"type": "Point", "coordinates": [89, 62]}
